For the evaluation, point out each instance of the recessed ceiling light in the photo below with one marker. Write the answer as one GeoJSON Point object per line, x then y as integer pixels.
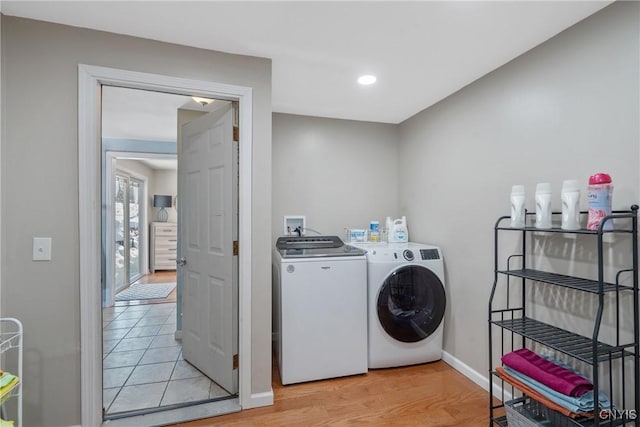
{"type": "Point", "coordinates": [367, 79]}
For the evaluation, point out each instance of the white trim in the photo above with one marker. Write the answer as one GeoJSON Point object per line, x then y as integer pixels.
{"type": "Point", "coordinates": [244, 241]}
{"type": "Point", "coordinates": [90, 78]}
{"type": "Point", "coordinates": [89, 224]}
{"type": "Point", "coordinates": [109, 244]}
{"type": "Point", "coordinates": [474, 375]}
{"type": "Point", "coordinates": [262, 399]}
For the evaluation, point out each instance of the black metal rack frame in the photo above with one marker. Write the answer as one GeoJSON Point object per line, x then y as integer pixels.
{"type": "Point", "coordinates": [516, 328]}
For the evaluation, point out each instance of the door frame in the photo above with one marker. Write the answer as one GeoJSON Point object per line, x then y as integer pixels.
{"type": "Point", "coordinates": [90, 80]}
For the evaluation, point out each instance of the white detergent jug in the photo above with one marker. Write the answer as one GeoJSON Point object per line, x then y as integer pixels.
{"type": "Point", "coordinates": [543, 205]}
{"type": "Point", "coordinates": [570, 197]}
{"type": "Point", "coordinates": [397, 230]}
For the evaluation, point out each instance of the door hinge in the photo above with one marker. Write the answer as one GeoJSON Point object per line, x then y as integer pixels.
{"type": "Point", "coordinates": [236, 249]}
{"type": "Point", "coordinates": [235, 361]}
{"type": "Point", "coordinates": [236, 134]}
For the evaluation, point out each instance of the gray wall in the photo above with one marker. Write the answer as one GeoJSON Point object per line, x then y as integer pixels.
{"type": "Point", "coordinates": [566, 109]}
{"type": "Point", "coordinates": [338, 173]}
{"type": "Point", "coordinates": [163, 182]}
{"type": "Point", "coordinates": [40, 158]}
{"type": "Point", "coordinates": [135, 167]}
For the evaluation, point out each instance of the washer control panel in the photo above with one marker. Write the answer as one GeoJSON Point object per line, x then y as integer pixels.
{"type": "Point", "coordinates": [407, 252]}
{"type": "Point", "coordinates": [429, 254]}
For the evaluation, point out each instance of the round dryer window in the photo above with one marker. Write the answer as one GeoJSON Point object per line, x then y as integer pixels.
{"type": "Point", "coordinates": [411, 303]}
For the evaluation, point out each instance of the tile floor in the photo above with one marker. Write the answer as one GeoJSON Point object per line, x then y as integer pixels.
{"type": "Point", "coordinates": [143, 365]}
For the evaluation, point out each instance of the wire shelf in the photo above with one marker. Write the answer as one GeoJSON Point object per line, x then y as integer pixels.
{"type": "Point", "coordinates": [561, 230]}
{"type": "Point", "coordinates": [565, 281]}
{"type": "Point", "coordinates": [9, 340]}
{"type": "Point", "coordinates": [561, 340]}
{"type": "Point", "coordinates": [501, 421]}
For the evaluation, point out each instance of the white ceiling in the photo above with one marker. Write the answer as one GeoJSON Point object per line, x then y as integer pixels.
{"type": "Point", "coordinates": [141, 114]}
{"type": "Point", "coordinates": [421, 51]}
{"type": "Point", "coordinates": [160, 164]}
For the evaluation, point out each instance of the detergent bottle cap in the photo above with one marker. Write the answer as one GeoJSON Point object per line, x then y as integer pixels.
{"type": "Point", "coordinates": [570, 185]}
{"type": "Point", "coordinates": [599, 178]}
{"type": "Point", "coordinates": [517, 190]}
{"type": "Point", "coordinates": [543, 188]}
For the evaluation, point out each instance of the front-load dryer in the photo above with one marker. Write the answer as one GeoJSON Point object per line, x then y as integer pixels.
{"type": "Point", "coordinates": [406, 303]}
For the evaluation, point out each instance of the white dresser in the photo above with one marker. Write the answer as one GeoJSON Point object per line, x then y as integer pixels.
{"type": "Point", "coordinates": [163, 246]}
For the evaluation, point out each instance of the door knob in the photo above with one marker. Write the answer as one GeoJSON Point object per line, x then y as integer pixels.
{"type": "Point", "coordinates": [181, 262]}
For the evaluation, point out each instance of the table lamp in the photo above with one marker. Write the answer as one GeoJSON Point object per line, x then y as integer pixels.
{"type": "Point", "coordinates": [162, 202]}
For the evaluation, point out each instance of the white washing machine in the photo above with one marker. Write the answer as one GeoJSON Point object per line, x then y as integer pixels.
{"type": "Point", "coordinates": [406, 303]}
{"type": "Point", "coordinates": [320, 307]}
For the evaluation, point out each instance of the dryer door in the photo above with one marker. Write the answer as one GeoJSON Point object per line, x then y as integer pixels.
{"type": "Point", "coordinates": [411, 303]}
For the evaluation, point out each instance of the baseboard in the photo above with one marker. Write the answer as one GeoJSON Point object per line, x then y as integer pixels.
{"type": "Point", "coordinates": [178, 335]}
{"type": "Point", "coordinates": [474, 376]}
{"type": "Point", "coordinates": [261, 399]}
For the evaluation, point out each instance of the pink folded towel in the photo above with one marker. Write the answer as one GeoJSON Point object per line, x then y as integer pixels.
{"type": "Point", "coordinates": [548, 373]}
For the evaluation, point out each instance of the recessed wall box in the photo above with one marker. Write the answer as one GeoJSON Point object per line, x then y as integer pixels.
{"type": "Point", "coordinates": [292, 223]}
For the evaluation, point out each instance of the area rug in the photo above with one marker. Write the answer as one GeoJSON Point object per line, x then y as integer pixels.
{"type": "Point", "coordinates": [146, 291]}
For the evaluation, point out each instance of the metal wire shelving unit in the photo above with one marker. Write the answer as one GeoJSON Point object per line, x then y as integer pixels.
{"type": "Point", "coordinates": [510, 327]}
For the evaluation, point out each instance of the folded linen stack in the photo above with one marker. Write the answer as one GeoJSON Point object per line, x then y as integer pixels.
{"type": "Point", "coordinates": [551, 383]}
{"type": "Point", "coordinates": [7, 384]}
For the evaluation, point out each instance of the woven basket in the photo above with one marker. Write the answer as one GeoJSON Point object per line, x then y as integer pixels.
{"type": "Point", "coordinates": [525, 412]}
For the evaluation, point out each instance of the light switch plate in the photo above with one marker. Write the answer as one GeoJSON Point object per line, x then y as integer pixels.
{"type": "Point", "coordinates": [42, 248]}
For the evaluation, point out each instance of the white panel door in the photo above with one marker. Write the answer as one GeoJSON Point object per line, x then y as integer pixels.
{"type": "Point", "coordinates": [208, 226]}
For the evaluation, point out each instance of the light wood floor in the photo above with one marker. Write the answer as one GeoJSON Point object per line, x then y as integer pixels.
{"type": "Point", "coordinates": [430, 395]}
{"type": "Point", "coordinates": [433, 395]}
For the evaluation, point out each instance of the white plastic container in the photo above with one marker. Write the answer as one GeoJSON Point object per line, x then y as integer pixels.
{"type": "Point", "coordinates": [356, 235]}
{"type": "Point", "coordinates": [543, 205]}
{"type": "Point", "coordinates": [570, 197]}
{"type": "Point", "coordinates": [374, 231]}
{"type": "Point", "coordinates": [517, 206]}
{"type": "Point", "coordinates": [398, 231]}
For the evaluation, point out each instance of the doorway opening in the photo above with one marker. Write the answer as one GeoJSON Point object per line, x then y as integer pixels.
{"type": "Point", "coordinates": [90, 81]}
{"type": "Point", "coordinates": [145, 369]}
